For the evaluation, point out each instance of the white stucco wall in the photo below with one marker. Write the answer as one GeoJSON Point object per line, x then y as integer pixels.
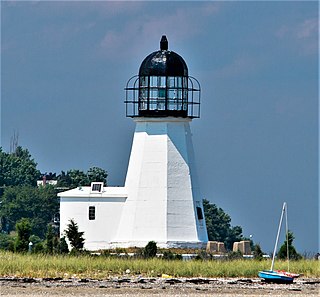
{"type": "Point", "coordinates": [162, 187]}
{"type": "Point", "coordinates": [98, 233]}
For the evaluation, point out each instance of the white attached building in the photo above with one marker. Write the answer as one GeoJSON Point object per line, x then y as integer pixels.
{"type": "Point", "coordinates": [161, 199]}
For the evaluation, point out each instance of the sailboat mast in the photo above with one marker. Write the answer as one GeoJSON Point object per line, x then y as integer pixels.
{"type": "Point", "coordinates": [277, 239]}
{"type": "Point", "coordinates": [287, 238]}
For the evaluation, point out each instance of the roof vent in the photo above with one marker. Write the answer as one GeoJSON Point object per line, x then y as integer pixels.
{"type": "Point", "coordinates": [96, 187]}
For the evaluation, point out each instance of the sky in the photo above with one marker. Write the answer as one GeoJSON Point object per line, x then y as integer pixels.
{"type": "Point", "coordinates": [64, 67]}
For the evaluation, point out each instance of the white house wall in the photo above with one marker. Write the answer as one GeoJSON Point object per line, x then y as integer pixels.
{"type": "Point", "coordinates": [98, 232]}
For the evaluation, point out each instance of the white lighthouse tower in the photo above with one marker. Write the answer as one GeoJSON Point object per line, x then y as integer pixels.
{"type": "Point", "coordinates": [163, 198]}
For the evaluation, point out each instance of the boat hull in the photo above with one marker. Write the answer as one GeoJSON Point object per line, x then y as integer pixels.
{"type": "Point", "coordinates": [276, 276]}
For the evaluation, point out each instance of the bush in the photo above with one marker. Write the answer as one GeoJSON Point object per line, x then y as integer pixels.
{"type": "Point", "coordinates": [293, 255]}
{"type": "Point", "coordinates": [203, 255]}
{"type": "Point", "coordinates": [6, 242]}
{"type": "Point", "coordinates": [37, 244]}
{"type": "Point", "coordinates": [23, 228]}
{"type": "Point", "coordinates": [168, 255]}
{"type": "Point", "coordinates": [150, 250]}
{"type": "Point", "coordinates": [49, 239]}
{"type": "Point", "coordinates": [75, 237]}
{"type": "Point", "coordinates": [257, 252]}
{"type": "Point", "coordinates": [63, 246]}
{"type": "Point", "coordinates": [235, 255]}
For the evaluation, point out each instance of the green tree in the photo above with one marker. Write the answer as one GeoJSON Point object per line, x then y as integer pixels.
{"type": "Point", "coordinates": [49, 239]}
{"type": "Point", "coordinates": [23, 228]}
{"type": "Point", "coordinates": [63, 246]}
{"type": "Point", "coordinates": [219, 225]}
{"type": "Point", "coordinates": [7, 242]}
{"type": "Point", "coordinates": [96, 174]}
{"type": "Point", "coordinates": [18, 168]}
{"type": "Point", "coordinates": [293, 255]}
{"type": "Point", "coordinates": [37, 204]}
{"type": "Point", "coordinates": [76, 178]}
{"type": "Point", "coordinates": [64, 180]}
{"type": "Point", "coordinates": [257, 252]}
{"type": "Point", "coordinates": [37, 244]}
{"type": "Point", "coordinates": [150, 250]}
{"type": "Point", "coordinates": [74, 236]}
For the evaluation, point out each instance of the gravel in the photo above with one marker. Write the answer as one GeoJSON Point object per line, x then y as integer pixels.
{"type": "Point", "coordinates": [141, 286]}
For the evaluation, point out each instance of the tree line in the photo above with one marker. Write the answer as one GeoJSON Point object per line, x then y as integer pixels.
{"type": "Point", "coordinates": [31, 211]}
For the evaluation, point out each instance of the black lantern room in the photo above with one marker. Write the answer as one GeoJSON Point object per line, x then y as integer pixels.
{"type": "Point", "coordinates": [163, 87]}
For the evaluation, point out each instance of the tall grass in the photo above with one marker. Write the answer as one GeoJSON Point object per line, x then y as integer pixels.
{"type": "Point", "coordinates": [100, 267]}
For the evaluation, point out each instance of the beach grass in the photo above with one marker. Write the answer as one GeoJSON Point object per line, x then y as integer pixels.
{"type": "Point", "coordinates": [101, 267]}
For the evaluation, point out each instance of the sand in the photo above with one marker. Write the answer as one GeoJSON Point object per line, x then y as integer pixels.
{"type": "Point", "coordinates": [139, 286]}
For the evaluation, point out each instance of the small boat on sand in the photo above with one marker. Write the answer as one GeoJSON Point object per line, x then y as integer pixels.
{"type": "Point", "coordinates": [279, 276]}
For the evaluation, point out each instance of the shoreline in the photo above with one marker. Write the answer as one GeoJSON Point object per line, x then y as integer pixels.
{"type": "Point", "coordinates": [142, 286]}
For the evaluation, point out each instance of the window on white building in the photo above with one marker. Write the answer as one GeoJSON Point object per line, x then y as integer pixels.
{"type": "Point", "coordinates": [92, 213]}
{"type": "Point", "coordinates": [199, 212]}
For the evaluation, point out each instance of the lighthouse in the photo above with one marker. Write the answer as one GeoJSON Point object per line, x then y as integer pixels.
{"type": "Point", "coordinates": [164, 203]}
{"type": "Point", "coordinates": [161, 199]}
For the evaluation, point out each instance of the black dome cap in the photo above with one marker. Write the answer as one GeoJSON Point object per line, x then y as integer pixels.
{"type": "Point", "coordinates": [163, 62]}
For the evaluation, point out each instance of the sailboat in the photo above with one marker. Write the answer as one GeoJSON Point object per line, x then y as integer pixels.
{"type": "Point", "coordinates": [279, 276]}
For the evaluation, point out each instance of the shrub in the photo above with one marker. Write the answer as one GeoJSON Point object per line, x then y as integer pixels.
{"type": "Point", "coordinates": [150, 250]}
{"type": "Point", "coordinates": [37, 244]}
{"type": "Point", "coordinates": [63, 246]}
{"type": "Point", "coordinates": [75, 237]}
{"type": "Point", "coordinates": [49, 239]}
{"type": "Point", "coordinates": [293, 255]}
{"type": "Point", "coordinates": [23, 228]}
{"type": "Point", "coordinates": [257, 252]}
{"type": "Point", "coordinates": [6, 242]}
{"type": "Point", "coordinates": [235, 255]}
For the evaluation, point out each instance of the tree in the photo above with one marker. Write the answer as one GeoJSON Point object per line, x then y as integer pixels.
{"type": "Point", "coordinates": [37, 204]}
{"type": "Point", "coordinates": [49, 239]}
{"type": "Point", "coordinates": [219, 225]}
{"type": "Point", "coordinates": [18, 168]}
{"type": "Point", "coordinates": [76, 178]}
{"type": "Point", "coordinates": [293, 255]}
{"type": "Point", "coordinates": [150, 250]}
{"type": "Point", "coordinates": [64, 180]}
{"type": "Point", "coordinates": [96, 174]}
{"type": "Point", "coordinates": [74, 236]}
{"type": "Point", "coordinates": [257, 252]}
{"type": "Point", "coordinates": [6, 242]}
{"type": "Point", "coordinates": [23, 228]}
{"type": "Point", "coordinates": [37, 244]}
{"type": "Point", "coordinates": [63, 246]}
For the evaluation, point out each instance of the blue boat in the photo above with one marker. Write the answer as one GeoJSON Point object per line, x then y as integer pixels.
{"type": "Point", "coordinates": [275, 276]}
{"type": "Point", "coordinates": [279, 276]}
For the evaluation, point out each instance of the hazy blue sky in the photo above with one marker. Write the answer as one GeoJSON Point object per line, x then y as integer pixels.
{"type": "Point", "coordinates": [64, 69]}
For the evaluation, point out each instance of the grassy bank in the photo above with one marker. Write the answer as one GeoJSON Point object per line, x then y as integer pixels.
{"type": "Point", "coordinates": [42, 266]}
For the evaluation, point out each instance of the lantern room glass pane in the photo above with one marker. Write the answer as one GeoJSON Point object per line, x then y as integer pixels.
{"type": "Point", "coordinates": [143, 81]}
{"type": "Point", "coordinates": [153, 81]}
{"type": "Point", "coordinates": [170, 81]}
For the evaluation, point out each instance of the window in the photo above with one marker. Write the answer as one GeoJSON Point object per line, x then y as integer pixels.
{"type": "Point", "coordinates": [92, 213]}
{"type": "Point", "coordinates": [96, 187]}
{"type": "Point", "coordinates": [199, 213]}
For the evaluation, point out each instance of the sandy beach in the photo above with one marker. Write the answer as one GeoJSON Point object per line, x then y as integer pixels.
{"type": "Point", "coordinates": [139, 286]}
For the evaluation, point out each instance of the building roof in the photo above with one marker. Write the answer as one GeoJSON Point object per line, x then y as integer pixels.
{"type": "Point", "coordinates": [112, 192]}
{"type": "Point", "coordinates": [163, 62]}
